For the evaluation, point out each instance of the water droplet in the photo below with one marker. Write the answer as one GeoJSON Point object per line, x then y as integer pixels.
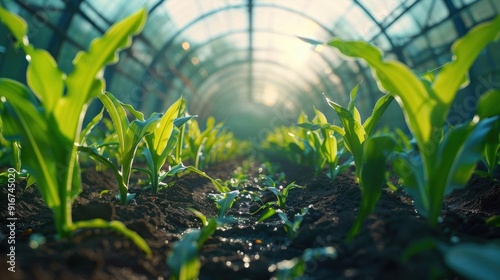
{"type": "Point", "coordinates": [246, 259]}
{"type": "Point", "coordinates": [246, 265]}
{"type": "Point", "coordinates": [228, 263]}
{"type": "Point", "coordinates": [36, 240]}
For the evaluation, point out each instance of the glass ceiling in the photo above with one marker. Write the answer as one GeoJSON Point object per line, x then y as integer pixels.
{"type": "Point", "coordinates": [241, 60]}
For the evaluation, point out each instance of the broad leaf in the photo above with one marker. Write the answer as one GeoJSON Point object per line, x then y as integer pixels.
{"type": "Point", "coordinates": [118, 117]}
{"type": "Point", "coordinates": [465, 51]}
{"type": "Point", "coordinates": [85, 81]}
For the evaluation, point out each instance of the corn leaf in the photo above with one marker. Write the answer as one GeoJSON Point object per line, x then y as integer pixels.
{"type": "Point", "coordinates": [157, 141]}
{"type": "Point", "coordinates": [16, 25]}
{"type": "Point", "coordinates": [354, 132]}
{"type": "Point", "coordinates": [183, 262]}
{"type": "Point", "coordinates": [45, 78]}
{"type": "Point", "coordinates": [397, 78]}
{"type": "Point", "coordinates": [86, 131]}
{"type": "Point", "coordinates": [24, 122]}
{"type": "Point", "coordinates": [376, 151]}
{"type": "Point", "coordinates": [118, 117]}
{"type": "Point", "coordinates": [462, 149]}
{"type": "Point", "coordinates": [118, 227]}
{"type": "Point", "coordinates": [85, 81]}
{"type": "Point", "coordinates": [475, 261]}
{"type": "Point", "coordinates": [465, 50]}
{"type": "Point", "coordinates": [488, 104]}
{"type": "Point", "coordinates": [378, 111]}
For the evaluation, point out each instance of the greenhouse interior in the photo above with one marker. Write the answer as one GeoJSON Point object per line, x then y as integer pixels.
{"type": "Point", "coordinates": [250, 139]}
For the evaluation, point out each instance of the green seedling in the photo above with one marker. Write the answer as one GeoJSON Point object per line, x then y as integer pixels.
{"type": "Point", "coordinates": [224, 201]}
{"type": "Point", "coordinates": [296, 267]}
{"type": "Point", "coordinates": [291, 227]}
{"type": "Point", "coordinates": [447, 162]}
{"type": "Point", "coordinates": [212, 145]}
{"type": "Point", "coordinates": [280, 192]}
{"type": "Point", "coordinates": [370, 153]}
{"type": "Point", "coordinates": [130, 134]}
{"type": "Point", "coordinates": [200, 142]}
{"type": "Point", "coordinates": [161, 143]}
{"type": "Point", "coordinates": [46, 118]}
{"type": "Point", "coordinates": [296, 144]}
{"type": "Point", "coordinates": [327, 147]}
{"type": "Point", "coordinates": [183, 261]}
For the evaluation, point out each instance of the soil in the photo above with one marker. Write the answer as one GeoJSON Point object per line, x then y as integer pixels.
{"type": "Point", "coordinates": [248, 250]}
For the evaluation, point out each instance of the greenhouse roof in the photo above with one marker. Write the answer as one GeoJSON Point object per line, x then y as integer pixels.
{"type": "Point", "coordinates": [241, 60]}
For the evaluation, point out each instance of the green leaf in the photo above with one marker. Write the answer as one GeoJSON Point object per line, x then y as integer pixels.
{"type": "Point", "coordinates": [118, 117]}
{"type": "Point", "coordinates": [16, 25]}
{"type": "Point", "coordinates": [86, 131]}
{"type": "Point", "coordinates": [352, 95]}
{"type": "Point", "coordinates": [85, 81]}
{"type": "Point", "coordinates": [207, 231]}
{"type": "Point", "coordinates": [160, 136]}
{"type": "Point", "coordinates": [419, 246]}
{"type": "Point", "coordinates": [465, 51]}
{"type": "Point", "coordinates": [377, 113]}
{"type": "Point", "coordinates": [225, 203]}
{"type": "Point", "coordinates": [466, 145]}
{"type": "Point", "coordinates": [376, 151]}
{"type": "Point", "coordinates": [22, 121]}
{"type": "Point", "coordinates": [488, 105]}
{"type": "Point", "coordinates": [137, 114]}
{"type": "Point", "coordinates": [493, 221]}
{"type": "Point", "coordinates": [397, 78]}
{"type": "Point", "coordinates": [354, 132]}
{"type": "Point", "coordinates": [118, 227]}
{"type": "Point", "coordinates": [267, 214]}
{"type": "Point", "coordinates": [199, 215]}
{"type": "Point", "coordinates": [45, 78]}
{"type": "Point", "coordinates": [95, 155]}
{"type": "Point", "coordinates": [178, 122]}
{"type": "Point", "coordinates": [183, 261]}
{"type": "Point", "coordinates": [475, 261]}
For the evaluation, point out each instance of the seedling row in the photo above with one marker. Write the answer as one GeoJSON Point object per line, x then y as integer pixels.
{"type": "Point", "coordinates": [46, 141]}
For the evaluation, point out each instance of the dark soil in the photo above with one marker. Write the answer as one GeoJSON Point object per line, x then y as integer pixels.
{"type": "Point", "coordinates": [248, 250]}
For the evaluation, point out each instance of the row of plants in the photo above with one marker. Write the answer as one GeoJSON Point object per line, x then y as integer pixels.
{"type": "Point", "coordinates": [434, 160]}
{"type": "Point", "coordinates": [444, 157]}
{"type": "Point", "coordinates": [43, 135]}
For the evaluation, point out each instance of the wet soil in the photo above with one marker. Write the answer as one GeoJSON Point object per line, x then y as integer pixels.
{"type": "Point", "coordinates": [247, 250]}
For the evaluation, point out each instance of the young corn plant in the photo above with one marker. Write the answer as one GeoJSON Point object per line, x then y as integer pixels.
{"type": "Point", "coordinates": [183, 261]}
{"type": "Point", "coordinates": [301, 143]}
{"type": "Point", "coordinates": [278, 207]}
{"type": "Point", "coordinates": [161, 143]}
{"type": "Point", "coordinates": [214, 144]}
{"type": "Point", "coordinates": [46, 118]}
{"type": "Point", "coordinates": [328, 148]}
{"type": "Point", "coordinates": [370, 153]}
{"type": "Point", "coordinates": [130, 134]}
{"type": "Point", "coordinates": [446, 161]}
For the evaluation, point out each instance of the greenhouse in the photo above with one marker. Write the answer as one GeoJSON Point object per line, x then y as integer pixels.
{"type": "Point", "coordinates": [249, 139]}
